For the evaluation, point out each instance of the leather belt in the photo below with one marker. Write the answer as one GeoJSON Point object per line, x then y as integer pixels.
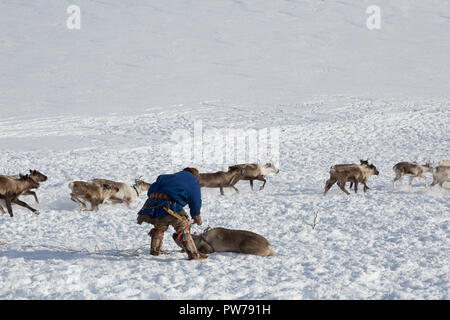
{"type": "Point", "coordinates": [160, 196]}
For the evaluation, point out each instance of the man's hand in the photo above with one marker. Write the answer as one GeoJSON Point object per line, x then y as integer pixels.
{"type": "Point", "coordinates": [197, 220]}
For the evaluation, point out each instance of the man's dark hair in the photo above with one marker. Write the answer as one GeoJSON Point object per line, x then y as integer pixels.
{"type": "Point", "coordinates": [193, 171]}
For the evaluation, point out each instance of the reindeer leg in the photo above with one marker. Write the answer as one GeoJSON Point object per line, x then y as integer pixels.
{"type": "Point", "coordinates": [342, 186]}
{"type": "Point", "coordinates": [31, 193]}
{"type": "Point", "coordinates": [23, 204]}
{"type": "Point", "coordinates": [398, 177]}
{"type": "Point", "coordinates": [74, 198]}
{"type": "Point", "coordinates": [262, 187]}
{"type": "Point", "coordinates": [221, 191]}
{"type": "Point", "coordinates": [205, 248]}
{"type": "Point", "coordinates": [94, 206]}
{"type": "Point", "coordinates": [8, 205]}
{"type": "Point", "coordinates": [251, 184]}
{"type": "Point", "coordinates": [235, 189]}
{"type": "Point", "coordinates": [365, 187]}
{"type": "Point", "coordinates": [1, 209]}
{"type": "Point", "coordinates": [425, 179]}
{"type": "Point", "coordinates": [329, 184]}
{"type": "Point", "coordinates": [35, 196]}
{"type": "Point", "coordinates": [127, 203]}
{"type": "Point", "coordinates": [356, 187]}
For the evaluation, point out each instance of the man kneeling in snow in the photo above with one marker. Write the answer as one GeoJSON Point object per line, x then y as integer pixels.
{"type": "Point", "coordinates": [173, 192]}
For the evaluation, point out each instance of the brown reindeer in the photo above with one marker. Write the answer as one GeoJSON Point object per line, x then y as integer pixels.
{"type": "Point", "coordinates": [220, 179]}
{"type": "Point", "coordinates": [11, 189]}
{"type": "Point", "coordinates": [362, 163]}
{"type": "Point", "coordinates": [441, 174]}
{"type": "Point", "coordinates": [93, 193]}
{"type": "Point", "coordinates": [126, 193]}
{"type": "Point", "coordinates": [256, 171]}
{"type": "Point", "coordinates": [227, 240]}
{"type": "Point", "coordinates": [354, 173]}
{"type": "Point", "coordinates": [413, 170]}
{"type": "Point", "coordinates": [36, 176]}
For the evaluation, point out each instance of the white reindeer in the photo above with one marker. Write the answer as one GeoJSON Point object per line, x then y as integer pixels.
{"type": "Point", "coordinates": [441, 174]}
{"type": "Point", "coordinates": [126, 193]}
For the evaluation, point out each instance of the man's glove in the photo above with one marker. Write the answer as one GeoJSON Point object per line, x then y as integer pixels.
{"type": "Point", "coordinates": [197, 220]}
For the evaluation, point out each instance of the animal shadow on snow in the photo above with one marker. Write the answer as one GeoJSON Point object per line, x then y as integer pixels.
{"type": "Point", "coordinates": [63, 205]}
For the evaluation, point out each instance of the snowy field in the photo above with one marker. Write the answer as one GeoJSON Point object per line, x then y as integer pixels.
{"type": "Point", "coordinates": [105, 100]}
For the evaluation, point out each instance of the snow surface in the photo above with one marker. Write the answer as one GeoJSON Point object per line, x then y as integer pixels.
{"type": "Point", "coordinates": [104, 101]}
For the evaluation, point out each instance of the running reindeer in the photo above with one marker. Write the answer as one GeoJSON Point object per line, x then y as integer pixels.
{"type": "Point", "coordinates": [126, 193]}
{"type": "Point", "coordinates": [11, 189]}
{"type": "Point", "coordinates": [255, 171]}
{"type": "Point", "coordinates": [413, 170]}
{"type": "Point", "coordinates": [94, 193]}
{"type": "Point", "coordinates": [343, 173]}
{"type": "Point", "coordinates": [441, 174]}
{"type": "Point", "coordinates": [221, 179]}
{"type": "Point", "coordinates": [36, 176]}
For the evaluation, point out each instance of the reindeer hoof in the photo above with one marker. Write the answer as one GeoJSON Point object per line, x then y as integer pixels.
{"type": "Point", "coordinates": [37, 212]}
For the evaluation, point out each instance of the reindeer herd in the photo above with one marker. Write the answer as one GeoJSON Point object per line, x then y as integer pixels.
{"type": "Point", "coordinates": [97, 191]}
{"type": "Point", "coordinates": [360, 173]}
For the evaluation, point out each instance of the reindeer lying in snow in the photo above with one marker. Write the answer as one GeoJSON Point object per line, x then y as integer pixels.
{"type": "Point", "coordinates": [227, 240]}
{"type": "Point", "coordinates": [220, 179]}
{"type": "Point", "coordinates": [126, 193]}
{"type": "Point", "coordinates": [350, 172]}
{"type": "Point", "coordinates": [255, 171]}
{"type": "Point", "coordinates": [11, 189]}
{"type": "Point", "coordinates": [412, 169]}
{"type": "Point", "coordinates": [93, 193]}
{"type": "Point", "coordinates": [441, 174]}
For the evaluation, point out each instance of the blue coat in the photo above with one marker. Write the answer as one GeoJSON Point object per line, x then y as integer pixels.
{"type": "Point", "coordinates": [183, 187]}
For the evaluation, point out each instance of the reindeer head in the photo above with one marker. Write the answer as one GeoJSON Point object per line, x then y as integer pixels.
{"type": "Point", "coordinates": [140, 185]}
{"type": "Point", "coordinates": [27, 178]}
{"type": "Point", "coordinates": [364, 162]}
{"type": "Point", "coordinates": [197, 240]}
{"type": "Point", "coordinates": [37, 176]}
{"type": "Point", "coordinates": [269, 167]}
{"type": "Point", "coordinates": [373, 169]}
